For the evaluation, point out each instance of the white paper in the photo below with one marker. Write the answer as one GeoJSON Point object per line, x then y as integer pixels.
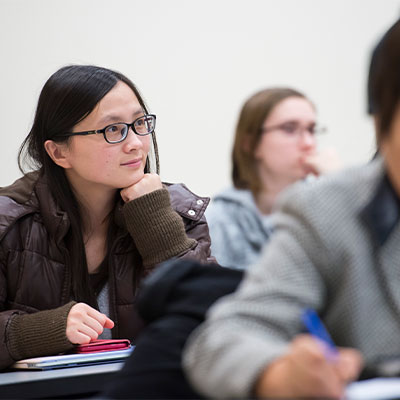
{"type": "Point", "coordinates": [374, 389]}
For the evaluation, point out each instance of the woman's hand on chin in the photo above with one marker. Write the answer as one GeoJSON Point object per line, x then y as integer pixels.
{"type": "Point", "coordinates": [149, 183]}
{"type": "Point", "coordinates": [322, 162]}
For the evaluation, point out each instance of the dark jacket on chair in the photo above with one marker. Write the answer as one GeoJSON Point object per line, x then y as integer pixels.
{"type": "Point", "coordinates": [173, 301]}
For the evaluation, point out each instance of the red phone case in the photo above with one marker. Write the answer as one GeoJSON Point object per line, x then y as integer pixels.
{"type": "Point", "coordinates": [99, 345]}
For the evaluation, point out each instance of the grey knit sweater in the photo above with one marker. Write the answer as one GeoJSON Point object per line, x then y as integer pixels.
{"type": "Point", "coordinates": [336, 249]}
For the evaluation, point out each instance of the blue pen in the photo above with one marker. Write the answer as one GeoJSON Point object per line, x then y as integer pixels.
{"type": "Point", "coordinates": [315, 326]}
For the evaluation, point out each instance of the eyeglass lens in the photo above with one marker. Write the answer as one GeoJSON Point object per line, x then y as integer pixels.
{"type": "Point", "coordinates": [144, 125]}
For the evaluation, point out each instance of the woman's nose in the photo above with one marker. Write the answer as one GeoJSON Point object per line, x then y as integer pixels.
{"type": "Point", "coordinates": [307, 139]}
{"type": "Point", "coordinates": [132, 141]}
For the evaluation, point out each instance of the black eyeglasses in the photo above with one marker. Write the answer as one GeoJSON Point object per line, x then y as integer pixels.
{"type": "Point", "coordinates": [118, 132]}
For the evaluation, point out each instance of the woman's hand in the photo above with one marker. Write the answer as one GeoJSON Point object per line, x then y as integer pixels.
{"type": "Point", "coordinates": [149, 183]}
{"type": "Point", "coordinates": [84, 324]}
{"type": "Point", "coordinates": [307, 370]}
{"type": "Point", "coordinates": [322, 162]}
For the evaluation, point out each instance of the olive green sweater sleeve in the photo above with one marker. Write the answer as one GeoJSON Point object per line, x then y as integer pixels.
{"type": "Point", "coordinates": [157, 230]}
{"type": "Point", "coordinates": [38, 334]}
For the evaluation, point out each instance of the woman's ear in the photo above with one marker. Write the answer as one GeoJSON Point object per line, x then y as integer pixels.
{"type": "Point", "coordinates": [58, 153]}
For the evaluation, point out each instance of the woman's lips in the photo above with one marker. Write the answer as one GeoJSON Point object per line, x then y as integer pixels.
{"type": "Point", "coordinates": [132, 163]}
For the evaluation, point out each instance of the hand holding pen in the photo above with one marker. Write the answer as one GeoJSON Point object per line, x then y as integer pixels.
{"type": "Point", "coordinates": [312, 367]}
{"type": "Point", "coordinates": [317, 329]}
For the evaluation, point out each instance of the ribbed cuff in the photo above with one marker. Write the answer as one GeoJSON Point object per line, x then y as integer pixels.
{"type": "Point", "coordinates": [39, 334]}
{"type": "Point", "coordinates": [158, 231]}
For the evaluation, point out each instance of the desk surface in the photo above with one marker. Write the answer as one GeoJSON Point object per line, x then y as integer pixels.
{"type": "Point", "coordinates": [66, 382]}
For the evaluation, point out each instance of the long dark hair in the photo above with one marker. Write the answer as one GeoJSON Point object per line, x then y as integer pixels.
{"type": "Point", "coordinates": [67, 97]}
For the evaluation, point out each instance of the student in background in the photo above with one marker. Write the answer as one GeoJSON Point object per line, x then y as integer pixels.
{"type": "Point", "coordinates": [79, 233]}
{"type": "Point", "coordinates": [275, 146]}
{"type": "Point", "coordinates": [335, 250]}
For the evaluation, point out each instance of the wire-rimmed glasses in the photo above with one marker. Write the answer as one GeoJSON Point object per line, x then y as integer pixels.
{"type": "Point", "coordinates": [295, 129]}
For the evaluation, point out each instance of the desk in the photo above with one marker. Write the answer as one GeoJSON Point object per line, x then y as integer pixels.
{"type": "Point", "coordinates": [76, 382]}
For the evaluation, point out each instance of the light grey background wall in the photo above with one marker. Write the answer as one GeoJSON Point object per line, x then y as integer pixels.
{"type": "Point", "coordinates": [195, 63]}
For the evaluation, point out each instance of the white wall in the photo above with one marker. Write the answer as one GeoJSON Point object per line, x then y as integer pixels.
{"type": "Point", "coordinates": [195, 62]}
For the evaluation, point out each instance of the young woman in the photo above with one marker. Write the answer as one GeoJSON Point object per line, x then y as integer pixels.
{"type": "Point", "coordinates": [274, 146]}
{"type": "Point", "coordinates": [79, 233]}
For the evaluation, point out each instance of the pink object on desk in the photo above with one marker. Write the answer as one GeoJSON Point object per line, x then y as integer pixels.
{"type": "Point", "coordinates": [101, 345]}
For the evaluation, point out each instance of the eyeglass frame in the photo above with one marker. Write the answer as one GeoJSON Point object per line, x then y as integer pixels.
{"type": "Point", "coordinates": [103, 130]}
{"type": "Point", "coordinates": [280, 127]}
